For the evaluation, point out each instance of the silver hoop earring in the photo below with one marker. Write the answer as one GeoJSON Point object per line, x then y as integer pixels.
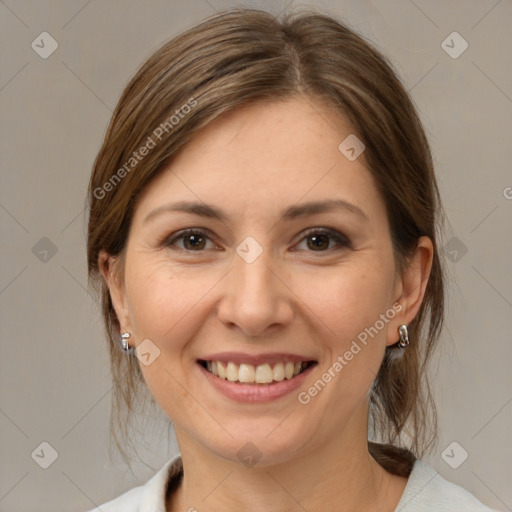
{"type": "Point", "coordinates": [125, 345]}
{"type": "Point", "coordinates": [404, 336]}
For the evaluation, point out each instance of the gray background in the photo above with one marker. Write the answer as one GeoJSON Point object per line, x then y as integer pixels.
{"type": "Point", "coordinates": [54, 374]}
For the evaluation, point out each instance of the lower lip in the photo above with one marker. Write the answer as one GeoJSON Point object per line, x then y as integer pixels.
{"type": "Point", "coordinates": [255, 393]}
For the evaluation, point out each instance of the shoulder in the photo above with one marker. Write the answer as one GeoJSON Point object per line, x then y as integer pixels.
{"type": "Point", "coordinates": [427, 490]}
{"type": "Point", "coordinates": [149, 497]}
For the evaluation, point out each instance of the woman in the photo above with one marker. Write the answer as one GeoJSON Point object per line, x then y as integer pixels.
{"type": "Point", "coordinates": [263, 233]}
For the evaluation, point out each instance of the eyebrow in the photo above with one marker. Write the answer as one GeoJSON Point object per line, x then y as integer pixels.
{"type": "Point", "coordinates": [290, 213]}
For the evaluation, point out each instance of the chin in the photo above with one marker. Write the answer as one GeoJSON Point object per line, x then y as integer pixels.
{"type": "Point", "coordinates": [262, 443]}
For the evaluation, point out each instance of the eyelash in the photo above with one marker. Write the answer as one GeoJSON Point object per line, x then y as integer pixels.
{"type": "Point", "coordinates": [342, 241]}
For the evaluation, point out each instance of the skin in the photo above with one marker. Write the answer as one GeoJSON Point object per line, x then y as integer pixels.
{"type": "Point", "coordinates": [252, 163]}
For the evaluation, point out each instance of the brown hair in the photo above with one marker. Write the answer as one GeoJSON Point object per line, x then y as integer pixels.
{"type": "Point", "coordinates": [242, 56]}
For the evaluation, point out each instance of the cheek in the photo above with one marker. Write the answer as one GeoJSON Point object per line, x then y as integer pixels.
{"type": "Point", "coordinates": [166, 302]}
{"type": "Point", "coordinates": [164, 305]}
{"type": "Point", "coordinates": [348, 299]}
{"type": "Point", "coordinates": [354, 306]}
{"type": "Point", "coordinates": [355, 310]}
{"type": "Point", "coordinates": [160, 298]}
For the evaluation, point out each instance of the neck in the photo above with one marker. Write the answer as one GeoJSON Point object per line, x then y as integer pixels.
{"type": "Point", "coordinates": [336, 475]}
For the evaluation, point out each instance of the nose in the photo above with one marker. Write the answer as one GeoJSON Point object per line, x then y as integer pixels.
{"type": "Point", "coordinates": [255, 297]}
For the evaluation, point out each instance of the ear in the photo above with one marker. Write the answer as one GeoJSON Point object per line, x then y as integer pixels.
{"type": "Point", "coordinates": [410, 287]}
{"type": "Point", "coordinates": [110, 268]}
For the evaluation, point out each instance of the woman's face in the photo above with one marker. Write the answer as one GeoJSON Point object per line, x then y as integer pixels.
{"type": "Point", "coordinates": [255, 289]}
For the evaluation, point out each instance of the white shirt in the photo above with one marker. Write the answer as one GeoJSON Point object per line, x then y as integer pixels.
{"type": "Point", "coordinates": [426, 491]}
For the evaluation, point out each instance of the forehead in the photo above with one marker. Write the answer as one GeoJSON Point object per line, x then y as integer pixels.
{"type": "Point", "coordinates": [265, 154]}
{"type": "Point", "coordinates": [271, 130]}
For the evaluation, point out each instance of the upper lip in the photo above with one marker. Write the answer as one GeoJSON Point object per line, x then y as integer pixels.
{"type": "Point", "coordinates": [270, 358]}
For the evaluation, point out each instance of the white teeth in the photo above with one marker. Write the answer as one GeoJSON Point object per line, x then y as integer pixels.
{"type": "Point", "coordinates": [248, 373]}
{"type": "Point", "coordinates": [278, 373]}
{"type": "Point", "coordinates": [288, 370]}
{"type": "Point", "coordinates": [263, 374]}
{"type": "Point", "coordinates": [232, 372]}
{"type": "Point", "coordinates": [221, 370]}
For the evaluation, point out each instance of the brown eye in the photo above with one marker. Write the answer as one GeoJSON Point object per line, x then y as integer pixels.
{"type": "Point", "coordinates": [193, 240]}
{"type": "Point", "coordinates": [319, 240]}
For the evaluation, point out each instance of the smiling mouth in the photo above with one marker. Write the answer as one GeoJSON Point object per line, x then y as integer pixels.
{"type": "Point", "coordinates": [252, 374]}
